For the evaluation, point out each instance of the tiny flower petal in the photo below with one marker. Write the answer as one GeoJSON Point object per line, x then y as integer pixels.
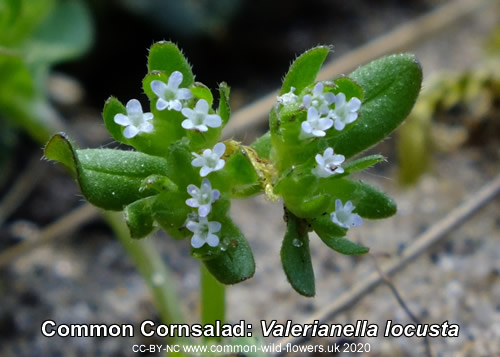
{"type": "Point", "coordinates": [122, 119]}
{"type": "Point", "coordinates": [219, 149]}
{"type": "Point", "coordinates": [204, 171]}
{"type": "Point", "coordinates": [134, 107]}
{"type": "Point", "coordinates": [161, 104]}
{"type": "Point", "coordinates": [204, 210]}
{"type": "Point", "coordinates": [130, 132]}
{"type": "Point", "coordinates": [158, 88]}
{"type": "Point", "coordinates": [213, 120]}
{"type": "Point", "coordinates": [184, 93]}
{"type": "Point", "coordinates": [197, 241]}
{"type": "Point", "coordinates": [187, 124]}
{"type": "Point", "coordinates": [135, 122]}
{"type": "Point", "coordinates": [146, 127]}
{"type": "Point", "coordinates": [212, 240]}
{"type": "Point", "coordinates": [175, 79]}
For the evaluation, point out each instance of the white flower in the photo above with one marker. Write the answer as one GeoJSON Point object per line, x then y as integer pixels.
{"type": "Point", "coordinates": [344, 113]}
{"type": "Point", "coordinates": [135, 121]}
{"type": "Point", "coordinates": [343, 215]}
{"type": "Point", "coordinates": [204, 232]}
{"type": "Point", "coordinates": [288, 98]}
{"type": "Point", "coordinates": [319, 100]}
{"type": "Point", "coordinates": [170, 95]}
{"type": "Point", "coordinates": [328, 164]}
{"type": "Point", "coordinates": [203, 197]}
{"type": "Point", "coordinates": [199, 119]}
{"type": "Point", "coordinates": [315, 124]}
{"type": "Point", "coordinates": [210, 160]}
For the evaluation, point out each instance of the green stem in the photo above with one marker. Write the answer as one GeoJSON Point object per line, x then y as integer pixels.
{"type": "Point", "coordinates": [213, 298]}
{"type": "Point", "coordinates": [155, 273]}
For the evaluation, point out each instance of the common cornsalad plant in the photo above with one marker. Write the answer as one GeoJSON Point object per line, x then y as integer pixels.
{"type": "Point", "coordinates": [181, 176]}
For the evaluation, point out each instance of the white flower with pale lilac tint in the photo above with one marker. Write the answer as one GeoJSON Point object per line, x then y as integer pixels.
{"type": "Point", "coordinates": [135, 122]}
{"type": "Point", "coordinates": [328, 164]}
{"type": "Point", "coordinates": [343, 215]}
{"type": "Point", "coordinates": [318, 99]}
{"type": "Point", "coordinates": [199, 119]}
{"type": "Point", "coordinates": [344, 112]}
{"type": "Point", "coordinates": [288, 98]}
{"type": "Point", "coordinates": [210, 160]}
{"type": "Point", "coordinates": [170, 96]}
{"type": "Point", "coordinates": [315, 125]}
{"type": "Point", "coordinates": [203, 197]}
{"type": "Point", "coordinates": [204, 232]}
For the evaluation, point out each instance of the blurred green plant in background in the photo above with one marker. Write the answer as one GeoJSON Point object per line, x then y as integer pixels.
{"type": "Point", "coordinates": [454, 108]}
{"type": "Point", "coordinates": [190, 18]}
{"type": "Point", "coordinates": [34, 36]}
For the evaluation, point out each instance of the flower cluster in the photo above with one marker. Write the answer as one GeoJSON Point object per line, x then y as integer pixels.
{"type": "Point", "coordinates": [170, 97]}
{"type": "Point", "coordinates": [204, 197]}
{"type": "Point", "coordinates": [324, 111]}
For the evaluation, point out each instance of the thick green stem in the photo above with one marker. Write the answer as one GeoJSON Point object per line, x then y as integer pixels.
{"type": "Point", "coordinates": [213, 298]}
{"type": "Point", "coordinates": [154, 272]}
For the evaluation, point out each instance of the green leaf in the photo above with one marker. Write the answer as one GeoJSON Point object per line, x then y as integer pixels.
{"type": "Point", "coordinates": [61, 149]}
{"type": "Point", "coordinates": [110, 179]}
{"type": "Point", "coordinates": [170, 211]}
{"type": "Point", "coordinates": [236, 262]}
{"type": "Point", "coordinates": [201, 91]}
{"type": "Point", "coordinates": [263, 146]}
{"type": "Point", "coordinates": [139, 217]}
{"type": "Point", "coordinates": [344, 246]}
{"type": "Point", "coordinates": [224, 109]}
{"type": "Point", "coordinates": [324, 227]}
{"type": "Point", "coordinates": [313, 206]}
{"type": "Point", "coordinates": [182, 173]}
{"type": "Point", "coordinates": [391, 85]}
{"type": "Point", "coordinates": [20, 19]}
{"type": "Point", "coordinates": [349, 87]}
{"type": "Point", "coordinates": [112, 107]}
{"type": "Point", "coordinates": [296, 258]}
{"type": "Point", "coordinates": [304, 69]}
{"type": "Point", "coordinates": [238, 175]}
{"type": "Point", "coordinates": [363, 163]}
{"type": "Point", "coordinates": [334, 236]}
{"type": "Point", "coordinates": [167, 57]}
{"type": "Point", "coordinates": [66, 33]}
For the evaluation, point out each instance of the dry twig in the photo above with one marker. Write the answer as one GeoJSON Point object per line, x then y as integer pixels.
{"type": "Point", "coordinates": [62, 226]}
{"type": "Point", "coordinates": [387, 280]}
